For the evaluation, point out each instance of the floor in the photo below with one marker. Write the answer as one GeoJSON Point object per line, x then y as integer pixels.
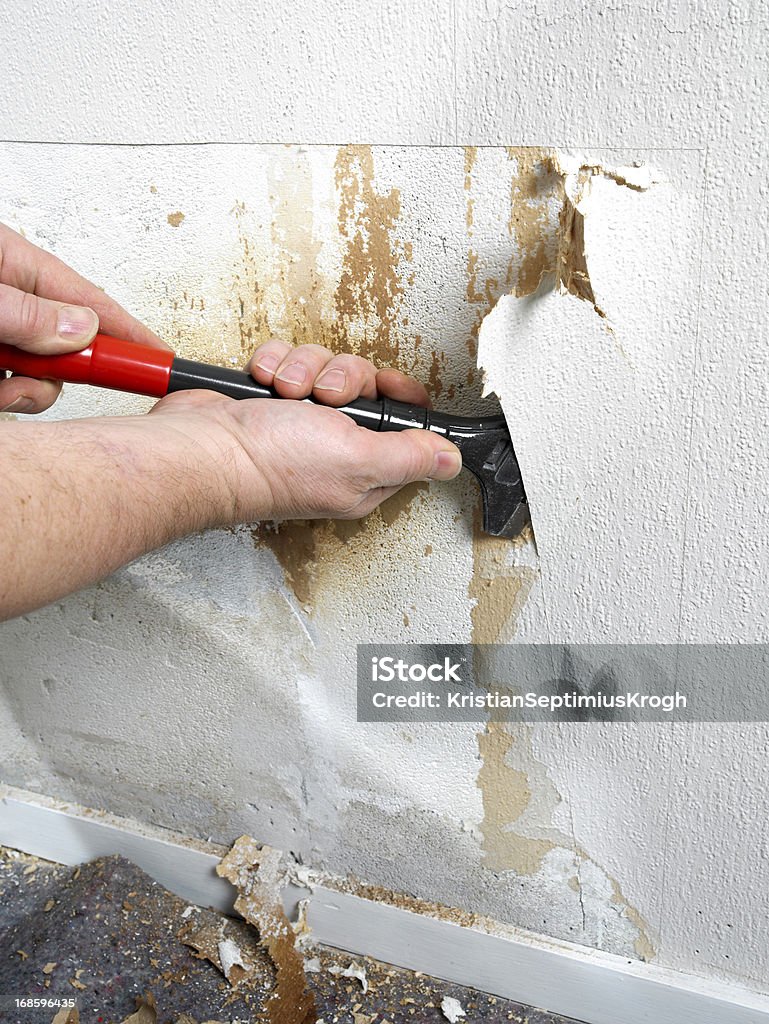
{"type": "Point", "coordinates": [107, 935]}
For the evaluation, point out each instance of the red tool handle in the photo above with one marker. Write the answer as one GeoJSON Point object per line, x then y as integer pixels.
{"type": "Point", "coordinates": [107, 363]}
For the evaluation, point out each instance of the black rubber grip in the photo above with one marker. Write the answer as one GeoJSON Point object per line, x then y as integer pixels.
{"type": "Point", "coordinates": [187, 375]}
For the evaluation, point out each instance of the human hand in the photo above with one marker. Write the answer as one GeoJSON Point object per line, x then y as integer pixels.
{"type": "Point", "coordinates": [46, 307]}
{"type": "Point", "coordinates": [295, 460]}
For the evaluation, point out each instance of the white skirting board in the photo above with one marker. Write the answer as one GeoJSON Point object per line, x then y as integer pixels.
{"type": "Point", "coordinates": [575, 981]}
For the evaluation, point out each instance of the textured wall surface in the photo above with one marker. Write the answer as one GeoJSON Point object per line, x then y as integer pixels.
{"type": "Point", "coordinates": [209, 686]}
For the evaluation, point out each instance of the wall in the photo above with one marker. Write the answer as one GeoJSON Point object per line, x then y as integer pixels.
{"type": "Point", "coordinates": [208, 687]}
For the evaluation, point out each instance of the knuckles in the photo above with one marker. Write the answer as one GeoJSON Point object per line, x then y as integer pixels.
{"type": "Point", "coordinates": [29, 315]}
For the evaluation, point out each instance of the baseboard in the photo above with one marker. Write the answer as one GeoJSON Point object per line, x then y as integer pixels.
{"type": "Point", "coordinates": [582, 983]}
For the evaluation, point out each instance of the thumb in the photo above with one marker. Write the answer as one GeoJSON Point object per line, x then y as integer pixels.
{"type": "Point", "coordinates": [402, 457]}
{"type": "Point", "coordinates": [42, 325]}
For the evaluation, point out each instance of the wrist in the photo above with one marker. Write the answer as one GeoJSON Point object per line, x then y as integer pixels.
{"type": "Point", "coordinates": [225, 486]}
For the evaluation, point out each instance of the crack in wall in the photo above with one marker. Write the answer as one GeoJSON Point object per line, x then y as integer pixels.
{"type": "Point", "coordinates": [518, 834]}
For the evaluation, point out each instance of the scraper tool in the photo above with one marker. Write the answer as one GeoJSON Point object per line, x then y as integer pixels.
{"type": "Point", "coordinates": [485, 444]}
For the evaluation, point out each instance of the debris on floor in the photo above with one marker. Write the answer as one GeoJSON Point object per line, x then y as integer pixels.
{"type": "Point", "coordinates": [232, 946]}
{"type": "Point", "coordinates": [257, 874]}
{"type": "Point", "coordinates": [105, 935]}
{"type": "Point", "coordinates": [452, 1009]}
{"type": "Point", "coordinates": [353, 971]}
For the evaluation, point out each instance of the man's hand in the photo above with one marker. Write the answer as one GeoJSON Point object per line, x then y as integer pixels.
{"type": "Point", "coordinates": [294, 460]}
{"type": "Point", "coordinates": [45, 306]}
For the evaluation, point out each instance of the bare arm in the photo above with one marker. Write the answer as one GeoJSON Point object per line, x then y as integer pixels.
{"type": "Point", "coordinates": [81, 498]}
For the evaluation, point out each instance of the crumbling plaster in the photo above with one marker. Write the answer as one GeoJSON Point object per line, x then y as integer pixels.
{"type": "Point", "coordinates": [224, 712]}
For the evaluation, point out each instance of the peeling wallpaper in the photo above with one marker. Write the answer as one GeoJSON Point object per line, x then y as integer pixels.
{"type": "Point", "coordinates": [594, 274]}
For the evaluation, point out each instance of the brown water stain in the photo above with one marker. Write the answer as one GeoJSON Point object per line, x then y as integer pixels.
{"type": "Point", "coordinates": [175, 219]}
{"type": "Point", "coordinates": [369, 292]}
{"type": "Point", "coordinates": [536, 183]}
{"type": "Point", "coordinates": [309, 551]}
{"type": "Point", "coordinates": [365, 305]}
{"type": "Point", "coordinates": [306, 296]}
{"type": "Point", "coordinates": [471, 154]}
{"type": "Point", "coordinates": [506, 794]}
{"type": "Point", "coordinates": [434, 384]}
{"type": "Point", "coordinates": [400, 503]}
{"type": "Point", "coordinates": [253, 321]}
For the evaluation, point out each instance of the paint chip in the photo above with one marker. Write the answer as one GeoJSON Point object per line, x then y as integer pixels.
{"type": "Point", "coordinates": [146, 1010]}
{"type": "Point", "coordinates": [353, 971]}
{"type": "Point", "coordinates": [231, 957]}
{"type": "Point", "coordinates": [452, 1009]}
{"type": "Point", "coordinates": [231, 946]}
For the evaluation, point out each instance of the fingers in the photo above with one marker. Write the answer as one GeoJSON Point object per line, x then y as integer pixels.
{"type": "Point", "coordinates": [31, 269]}
{"type": "Point", "coordinates": [332, 379]}
{"type": "Point", "coordinates": [299, 372]}
{"type": "Point", "coordinates": [39, 325]}
{"type": "Point", "coordinates": [396, 385]}
{"type": "Point", "coordinates": [266, 360]}
{"type": "Point", "coordinates": [345, 378]}
{"type": "Point", "coordinates": [23, 395]}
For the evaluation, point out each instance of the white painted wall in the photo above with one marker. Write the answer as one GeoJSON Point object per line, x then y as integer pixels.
{"type": "Point", "coordinates": [193, 688]}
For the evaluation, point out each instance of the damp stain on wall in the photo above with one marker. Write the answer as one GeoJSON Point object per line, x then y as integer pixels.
{"type": "Point", "coordinates": [519, 801]}
{"type": "Point", "coordinates": [370, 287]}
{"type": "Point", "coordinates": [311, 552]}
{"type": "Point", "coordinates": [506, 795]}
{"type": "Point", "coordinates": [498, 588]}
{"type": "Point", "coordinates": [535, 190]}
{"type": "Point", "coordinates": [303, 293]}
{"type": "Point", "coordinates": [248, 291]}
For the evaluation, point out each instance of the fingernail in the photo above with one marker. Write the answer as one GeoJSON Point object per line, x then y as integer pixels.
{"type": "Point", "coordinates": [332, 380]}
{"type": "Point", "coordinates": [22, 404]}
{"type": "Point", "coordinates": [76, 322]}
{"type": "Point", "coordinates": [446, 465]}
{"type": "Point", "coordinates": [294, 373]}
{"type": "Point", "coordinates": [268, 363]}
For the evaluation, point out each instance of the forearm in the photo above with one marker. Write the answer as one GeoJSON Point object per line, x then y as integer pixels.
{"type": "Point", "coordinates": [81, 498]}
